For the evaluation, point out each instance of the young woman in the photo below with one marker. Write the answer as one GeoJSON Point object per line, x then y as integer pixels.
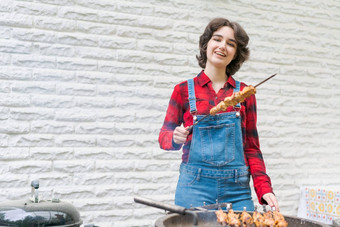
{"type": "Point", "coordinates": [222, 151]}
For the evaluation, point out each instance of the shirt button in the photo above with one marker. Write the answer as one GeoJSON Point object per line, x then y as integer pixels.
{"type": "Point", "coordinates": [215, 97]}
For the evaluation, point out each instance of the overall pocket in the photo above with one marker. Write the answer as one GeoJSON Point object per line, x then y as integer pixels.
{"type": "Point", "coordinates": [187, 178]}
{"type": "Point", "coordinates": [243, 181]}
{"type": "Point", "coordinates": [218, 144]}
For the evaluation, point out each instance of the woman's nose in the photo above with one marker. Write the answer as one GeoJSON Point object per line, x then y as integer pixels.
{"type": "Point", "coordinates": [222, 46]}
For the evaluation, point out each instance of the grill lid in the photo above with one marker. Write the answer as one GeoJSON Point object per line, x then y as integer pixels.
{"type": "Point", "coordinates": [36, 212]}
{"type": "Point", "coordinates": [27, 213]}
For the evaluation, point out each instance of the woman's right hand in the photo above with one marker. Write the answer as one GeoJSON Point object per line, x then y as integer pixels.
{"type": "Point", "coordinates": [180, 135]}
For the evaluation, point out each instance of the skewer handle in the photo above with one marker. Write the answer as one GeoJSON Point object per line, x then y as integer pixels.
{"type": "Point", "coordinates": [190, 127]}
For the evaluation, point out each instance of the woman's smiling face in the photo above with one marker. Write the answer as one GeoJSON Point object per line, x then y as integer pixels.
{"type": "Point", "coordinates": [221, 48]}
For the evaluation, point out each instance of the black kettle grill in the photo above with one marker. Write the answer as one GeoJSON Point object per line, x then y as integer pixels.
{"type": "Point", "coordinates": [38, 213]}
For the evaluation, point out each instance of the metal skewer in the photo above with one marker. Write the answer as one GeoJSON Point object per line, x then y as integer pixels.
{"type": "Point", "coordinates": [190, 127]}
{"type": "Point", "coordinates": [265, 80]}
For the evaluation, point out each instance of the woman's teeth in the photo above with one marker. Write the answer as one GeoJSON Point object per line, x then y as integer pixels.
{"type": "Point", "coordinates": [221, 54]}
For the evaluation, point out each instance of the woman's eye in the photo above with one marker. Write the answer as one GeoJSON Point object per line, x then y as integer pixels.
{"type": "Point", "coordinates": [231, 44]}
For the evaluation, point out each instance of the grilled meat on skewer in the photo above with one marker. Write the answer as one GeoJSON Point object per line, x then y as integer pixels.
{"type": "Point", "coordinates": [222, 218]}
{"type": "Point", "coordinates": [258, 219]}
{"type": "Point", "coordinates": [246, 219]}
{"type": "Point", "coordinates": [279, 219]}
{"type": "Point", "coordinates": [268, 219]}
{"type": "Point", "coordinates": [233, 219]}
{"type": "Point", "coordinates": [232, 100]}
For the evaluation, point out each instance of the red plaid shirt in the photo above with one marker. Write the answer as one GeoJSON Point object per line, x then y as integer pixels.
{"type": "Point", "coordinates": [178, 112]}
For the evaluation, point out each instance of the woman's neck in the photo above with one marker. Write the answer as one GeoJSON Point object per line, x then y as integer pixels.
{"type": "Point", "coordinates": [217, 76]}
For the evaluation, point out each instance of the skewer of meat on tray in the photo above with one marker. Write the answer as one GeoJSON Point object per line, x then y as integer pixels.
{"type": "Point", "coordinates": [270, 218]}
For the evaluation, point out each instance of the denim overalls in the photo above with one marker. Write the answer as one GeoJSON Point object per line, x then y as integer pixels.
{"type": "Point", "coordinates": [216, 170]}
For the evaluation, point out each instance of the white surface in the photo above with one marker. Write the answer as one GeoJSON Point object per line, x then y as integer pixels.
{"type": "Point", "coordinates": [320, 204]}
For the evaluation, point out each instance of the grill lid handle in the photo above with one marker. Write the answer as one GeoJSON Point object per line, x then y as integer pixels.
{"type": "Point", "coordinates": [34, 191]}
{"type": "Point", "coordinates": [168, 207]}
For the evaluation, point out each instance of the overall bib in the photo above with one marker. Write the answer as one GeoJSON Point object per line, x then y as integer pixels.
{"type": "Point", "coordinates": [216, 170]}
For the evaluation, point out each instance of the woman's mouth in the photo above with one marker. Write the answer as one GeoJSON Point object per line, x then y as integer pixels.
{"type": "Point", "coordinates": [220, 54]}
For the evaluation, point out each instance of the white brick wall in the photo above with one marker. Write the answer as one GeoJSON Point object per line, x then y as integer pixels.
{"type": "Point", "coordinates": [84, 86]}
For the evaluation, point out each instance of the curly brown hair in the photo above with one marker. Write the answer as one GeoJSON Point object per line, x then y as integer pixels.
{"type": "Point", "coordinates": [241, 37]}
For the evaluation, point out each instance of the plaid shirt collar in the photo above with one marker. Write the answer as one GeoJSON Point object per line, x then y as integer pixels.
{"type": "Point", "coordinates": [203, 79]}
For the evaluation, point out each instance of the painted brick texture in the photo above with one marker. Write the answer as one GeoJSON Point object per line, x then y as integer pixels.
{"type": "Point", "coordinates": [85, 84]}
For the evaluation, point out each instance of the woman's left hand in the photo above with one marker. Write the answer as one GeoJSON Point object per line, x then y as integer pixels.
{"type": "Point", "coordinates": [271, 200]}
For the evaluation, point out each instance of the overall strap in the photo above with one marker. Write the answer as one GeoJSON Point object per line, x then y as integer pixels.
{"type": "Point", "coordinates": [237, 89]}
{"type": "Point", "coordinates": [192, 96]}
